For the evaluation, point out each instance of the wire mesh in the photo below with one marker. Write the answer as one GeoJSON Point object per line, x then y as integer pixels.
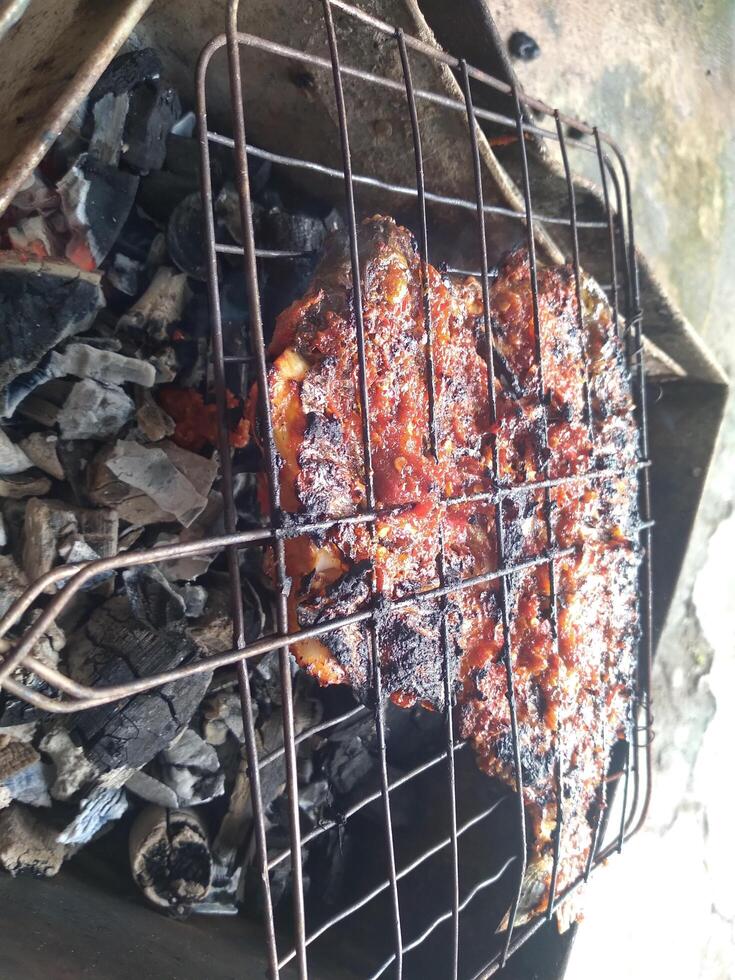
{"type": "Point", "coordinates": [624, 294]}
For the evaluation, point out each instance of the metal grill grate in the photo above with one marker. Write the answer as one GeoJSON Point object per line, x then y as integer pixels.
{"type": "Point", "coordinates": [618, 228]}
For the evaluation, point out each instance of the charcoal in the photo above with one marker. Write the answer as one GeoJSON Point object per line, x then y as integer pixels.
{"type": "Point", "coordinates": [23, 775]}
{"type": "Point", "coordinates": [100, 808]}
{"type": "Point", "coordinates": [152, 599]}
{"type": "Point", "coordinates": [349, 755]}
{"type": "Point", "coordinates": [36, 236]}
{"type": "Point", "coordinates": [95, 411]}
{"type": "Point", "coordinates": [233, 830]}
{"type": "Point", "coordinates": [315, 798]}
{"type": "Point", "coordinates": [147, 484]}
{"type": "Point", "coordinates": [183, 158]}
{"type": "Point", "coordinates": [39, 410]}
{"type": "Point", "coordinates": [162, 191]}
{"type": "Point", "coordinates": [154, 108]}
{"type": "Point", "coordinates": [185, 239]}
{"type": "Point", "coordinates": [297, 232]}
{"type": "Point", "coordinates": [152, 790]}
{"type": "Point", "coordinates": [24, 485]}
{"type": "Point", "coordinates": [72, 770]}
{"type": "Point", "coordinates": [329, 860]}
{"type": "Point", "coordinates": [153, 422]}
{"type": "Point", "coordinates": [126, 72]}
{"type": "Point", "coordinates": [222, 716]}
{"type": "Point", "coordinates": [288, 279]}
{"type": "Point", "coordinates": [12, 458]}
{"type": "Point", "coordinates": [190, 767]}
{"type": "Point", "coordinates": [13, 582]}
{"type": "Point", "coordinates": [137, 236]}
{"type": "Point", "coordinates": [110, 113]}
{"type": "Point", "coordinates": [49, 524]}
{"type": "Point", "coordinates": [86, 361]}
{"type": "Point", "coordinates": [35, 196]}
{"type": "Point", "coordinates": [115, 647]}
{"type": "Point", "coordinates": [265, 680]}
{"type": "Point", "coordinates": [96, 199]}
{"type": "Point", "coordinates": [412, 733]}
{"type": "Point", "coordinates": [28, 845]}
{"type": "Point", "coordinates": [185, 126]}
{"type": "Point", "coordinates": [159, 308]}
{"type": "Point", "coordinates": [170, 858]}
{"type": "Point", "coordinates": [194, 597]}
{"type": "Point", "coordinates": [227, 212]}
{"type": "Point", "coordinates": [41, 449]}
{"type": "Point", "coordinates": [41, 303]}
{"type": "Point", "coordinates": [125, 274]}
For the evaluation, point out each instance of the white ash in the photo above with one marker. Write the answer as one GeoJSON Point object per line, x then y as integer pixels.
{"type": "Point", "coordinates": [95, 411]}
{"type": "Point", "coordinates": [191, 768]}
{"type": "Point", "coordinates": [125, 274]}
{"type": "Point", "coordinates": [153, 422]}
{"type": "Point", "coordinates": [72, 770]}
{"type": "Point", "coordinates": [149, 484]}
{"type": "Point", "coordinates": [12, 458]}
{"type": "Point", "coordinates": [100, 808]}
{"type": "Point", "coordinates": [152, 790]}
{"type": "Point", "coordinates": [87, 361]}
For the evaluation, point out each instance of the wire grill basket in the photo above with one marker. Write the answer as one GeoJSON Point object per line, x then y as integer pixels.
{"type": "Point", "coordinates": [634, 775]}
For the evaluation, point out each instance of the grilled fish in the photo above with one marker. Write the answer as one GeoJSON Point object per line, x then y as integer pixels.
{"type": "Point", "coordinates": [435, 500]}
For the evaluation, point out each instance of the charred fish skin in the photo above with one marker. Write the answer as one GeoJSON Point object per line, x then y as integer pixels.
{"type": "Point", "coordinates": [573, 672]}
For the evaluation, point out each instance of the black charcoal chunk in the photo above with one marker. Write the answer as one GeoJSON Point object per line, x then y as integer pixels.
{"type": "Point", "coordinates": [185, 239]}
{"type": "Point", "coordinates": [170, 858]}
{"type": "Point", "coordinates": [115, 646]}
{"type": "Point", "coordinates": [298, 232]}
{"type": "Point", "coordinates": [96, 199]}
{"type": "Point", "coordinates": [288, 278]}
{"type": "Point", "coordinates": [137, 235]}
{"type": "Point", "coordinates": [349, 755]}
{"type": "Point", "coordinates": [41, 303]}
{"type": "Point", "coordinates": [154, 108]}
{"type": "Point", "coordinates": [126, 72]}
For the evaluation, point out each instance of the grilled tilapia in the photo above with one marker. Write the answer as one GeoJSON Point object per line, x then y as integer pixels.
{"type": "Point", "coordinates": [572, 671]}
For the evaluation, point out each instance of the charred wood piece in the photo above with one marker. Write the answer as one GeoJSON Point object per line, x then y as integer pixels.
{"type": "Point", "coordinates": [170, 858]}
{"type": "Point", "coordinates": [117, 647]}
{"type": "Point", "coordinates": [41, 303]}
{"type": "Point", "coordinates": [28, 845]}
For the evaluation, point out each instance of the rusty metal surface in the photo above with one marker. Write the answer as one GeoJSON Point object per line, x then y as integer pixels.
{"type": "Point", "coordinates": [49, 61]}
{"type": "Point", "coordinates": [11, 12]}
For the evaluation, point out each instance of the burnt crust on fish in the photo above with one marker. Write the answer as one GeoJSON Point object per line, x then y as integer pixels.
{"type": "Point", "coordinates": [573, 689]}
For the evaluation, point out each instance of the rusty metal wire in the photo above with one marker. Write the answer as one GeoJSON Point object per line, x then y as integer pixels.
{"type": "Point", "coordinates": [70, 696]}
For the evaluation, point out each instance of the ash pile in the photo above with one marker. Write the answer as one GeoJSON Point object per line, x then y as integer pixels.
{"type": "Point", "coordinates": [108, 443]}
